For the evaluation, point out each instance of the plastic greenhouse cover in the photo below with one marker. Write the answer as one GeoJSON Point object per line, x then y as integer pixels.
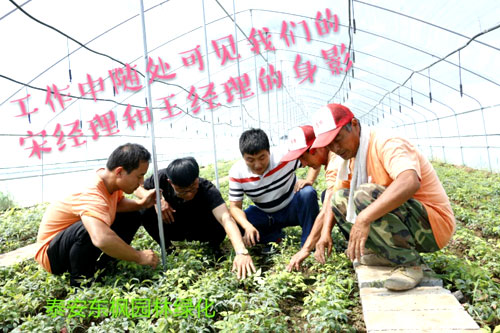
{"type": "Point", "coordinates": [72, 83]}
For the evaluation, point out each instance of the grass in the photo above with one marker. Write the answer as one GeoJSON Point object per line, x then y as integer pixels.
{"type": "Point", "coordinates": [19, 227]}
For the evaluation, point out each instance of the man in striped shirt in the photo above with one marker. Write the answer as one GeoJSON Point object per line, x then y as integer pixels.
{"type": "Point", "coordinates": [280, 199]}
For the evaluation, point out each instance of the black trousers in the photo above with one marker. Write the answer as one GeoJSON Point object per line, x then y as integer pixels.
{"type": "Point", "coordinates": [185, 228]}
{"type": "Point", "coordinates": [72, 249]}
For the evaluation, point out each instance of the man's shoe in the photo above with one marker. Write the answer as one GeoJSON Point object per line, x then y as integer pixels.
{"type": "Point", "coordinates": [404, 278]}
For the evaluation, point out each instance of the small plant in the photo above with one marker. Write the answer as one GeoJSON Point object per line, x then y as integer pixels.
{"type": "Point", "coordinates": [6, 201]}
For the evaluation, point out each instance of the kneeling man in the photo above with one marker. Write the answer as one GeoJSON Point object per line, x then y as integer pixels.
{"type": "Point", "coordinates": [387, 196]}
{"type": "Point", "coordinates": [280, 199]}
{"type": "Point", "coordinates": [75, 231]}
{"type": "Point", "coordinates": [192, 209]}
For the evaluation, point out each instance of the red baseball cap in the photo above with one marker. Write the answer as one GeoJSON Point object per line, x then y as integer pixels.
{"type": "Point", "coordinates": [327, 123]}
{"type": "Point", "coordinates": [300, 140]}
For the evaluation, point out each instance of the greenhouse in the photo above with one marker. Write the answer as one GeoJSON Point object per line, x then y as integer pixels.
{"type": "Point", "coordinates": [186, 79]}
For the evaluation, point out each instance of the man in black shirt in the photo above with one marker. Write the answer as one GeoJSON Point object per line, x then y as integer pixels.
{"type": "Point", "coordinates": [193, 209]}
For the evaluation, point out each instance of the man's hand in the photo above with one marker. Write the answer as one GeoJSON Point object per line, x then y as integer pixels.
{"type": "Point", "coordinates": [300, 184]}
{"type": "Point", "coordinates": [324, 243]}
{"type": "Point", "coordinates": [148, 199]}
{"type": "Point", "coordinates": [148, 257]}
{"type": "Point", "coordinates": [251, 236]}
{"type": "Point", "coordinates": [166, 211]}
{"type": "Point", "coordinates": [357, 239]}
{"type": "Point", "coordinates": [243, 265]}
{"type": "Point", "coordinates": [297, 259]}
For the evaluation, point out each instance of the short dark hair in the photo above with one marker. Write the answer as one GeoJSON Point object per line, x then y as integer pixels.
{"type": "Point", "coordinates": [128, 156]}
{"type": "Point", "coordinates": [253, 141]}
{"type": "Point", "coordinates": [183, 171]}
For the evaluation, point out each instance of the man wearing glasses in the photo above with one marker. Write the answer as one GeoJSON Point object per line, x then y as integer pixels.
{"type": "Point", "coordinates": [193, 209]}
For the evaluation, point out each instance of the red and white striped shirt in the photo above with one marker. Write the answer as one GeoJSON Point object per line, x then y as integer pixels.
{"type": "Point", "coordinates": [271, 191]}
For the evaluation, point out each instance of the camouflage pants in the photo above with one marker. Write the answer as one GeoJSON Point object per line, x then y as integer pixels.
{"type": "Point", "coordinates": [399, 235]}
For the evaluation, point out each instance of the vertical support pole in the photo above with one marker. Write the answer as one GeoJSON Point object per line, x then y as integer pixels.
{"type": "Point", "coordinates": [282, 100]}
{"type": "Point", "coordinates": [237, 63]}
{"type": "Point", "coordinates": [256, 80]}
{"type": "Point", "coordinates": [211, 113]}
{"type": "Point", "coordinates": [277, 108]}
{"type": "Point", "coordinates": [153, 145]}
{"type": "Point", "coordinates": [268, 102]}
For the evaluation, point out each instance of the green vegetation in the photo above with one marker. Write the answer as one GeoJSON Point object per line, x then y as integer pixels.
{"type": "Point", "coordinates": [475, 197]}
{"type": "Point", "coordinates": [6, 201]}
{"type": "Point", "coordinates": [321, 298]}
{"type": "Point", "coordinates": [19, 227]}
{"type": "Point", "coordinates": [470, 263]}
{"type": "Point", "coordinates": [273, 300]}
{"type": "Point", "coordinates": [223, 167]}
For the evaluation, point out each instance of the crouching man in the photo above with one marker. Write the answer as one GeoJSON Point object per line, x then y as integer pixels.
{"type": "Point", "coordinates": [280, 199]}
{"type": "Point", "coordinates": [76, 230]}
{"type": "Point", "coordinates": [193, 209]}
{"type": "Point", "coordinates": [386, 196]}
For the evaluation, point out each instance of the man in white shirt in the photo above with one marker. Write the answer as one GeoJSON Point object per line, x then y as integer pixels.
{"type": "Point", "coordinates": [279, 199]}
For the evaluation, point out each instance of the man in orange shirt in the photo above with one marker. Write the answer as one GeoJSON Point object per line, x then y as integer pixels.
{"type": "Point", "coordinates": [75, 231]}
{"type": "Point", "coordinates": [387, 196]}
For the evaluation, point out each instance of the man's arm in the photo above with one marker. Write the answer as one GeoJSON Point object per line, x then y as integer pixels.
{"type": "Point", "coordinates": [252, 235]}
{"type": "Point", "coordinates": [397, 193]}
{"type": "Point", "coordinates": [130, 205]}
{"type": "Point", "coordinates": [325, 242]}
{"type": "Point", "coordinates": [242, 263]}
{"type": "Point", "coordinates": [325, 217]}
{"type": "Point", "coordinates": [312, 174]}
{"type": "Point", "coordinates": [167, 212]}
{"type": "Point", "coordinates": [110, 243]}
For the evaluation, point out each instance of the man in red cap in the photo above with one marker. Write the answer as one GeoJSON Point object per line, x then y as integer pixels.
{"type": "Point", "coordinates": [387, 196]}
{"type": "Point", "coordinates": [300, 140]}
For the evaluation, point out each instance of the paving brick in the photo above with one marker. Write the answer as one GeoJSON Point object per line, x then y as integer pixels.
{"type": "Point", "coordinates": [414, 291]}
{"type": "Point", "coordinates": [438, 320]}
{"type": "Point", "coordinates": [420, 302]}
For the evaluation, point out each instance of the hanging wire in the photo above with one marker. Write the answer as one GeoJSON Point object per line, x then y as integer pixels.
{"type": "Point", "coordinates": [28, 106]}
{"type": "Point", "coordinates": [348, 51]}
{"type": "Point", "coordinates": [411, 90]}
{"type": "Point", "coordinates": [353, 19]}
{"type": "Point", "coordinates": [399, 99]}
{"type": "Point", "coordinates": [460, 75]}
{"type": "Point", "coordinates": [429, 76]}
{"type": "Point", "coordinates": [69, 62]}
{"type": "Point", "coordinates": [390, 104]}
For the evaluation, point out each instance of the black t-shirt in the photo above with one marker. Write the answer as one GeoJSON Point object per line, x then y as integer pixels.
{"type": "Point", "coordinates": [199, 208]}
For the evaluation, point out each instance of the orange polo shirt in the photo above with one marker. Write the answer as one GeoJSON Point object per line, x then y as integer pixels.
{"type": "Point", "coordinates": [94, 201]}
{"type": "Point", "coordinates": [387, 157]}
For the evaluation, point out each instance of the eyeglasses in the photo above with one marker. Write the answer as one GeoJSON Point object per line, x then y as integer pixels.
{"type": "Point", "coordinates": [185, 190]}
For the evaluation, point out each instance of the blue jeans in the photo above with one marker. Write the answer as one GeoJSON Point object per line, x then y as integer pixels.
{"type": "Point", "coordinates": [302, 210]}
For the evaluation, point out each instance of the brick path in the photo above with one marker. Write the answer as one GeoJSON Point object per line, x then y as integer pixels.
{"type": "Point", "coordinates": [427, 308]}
